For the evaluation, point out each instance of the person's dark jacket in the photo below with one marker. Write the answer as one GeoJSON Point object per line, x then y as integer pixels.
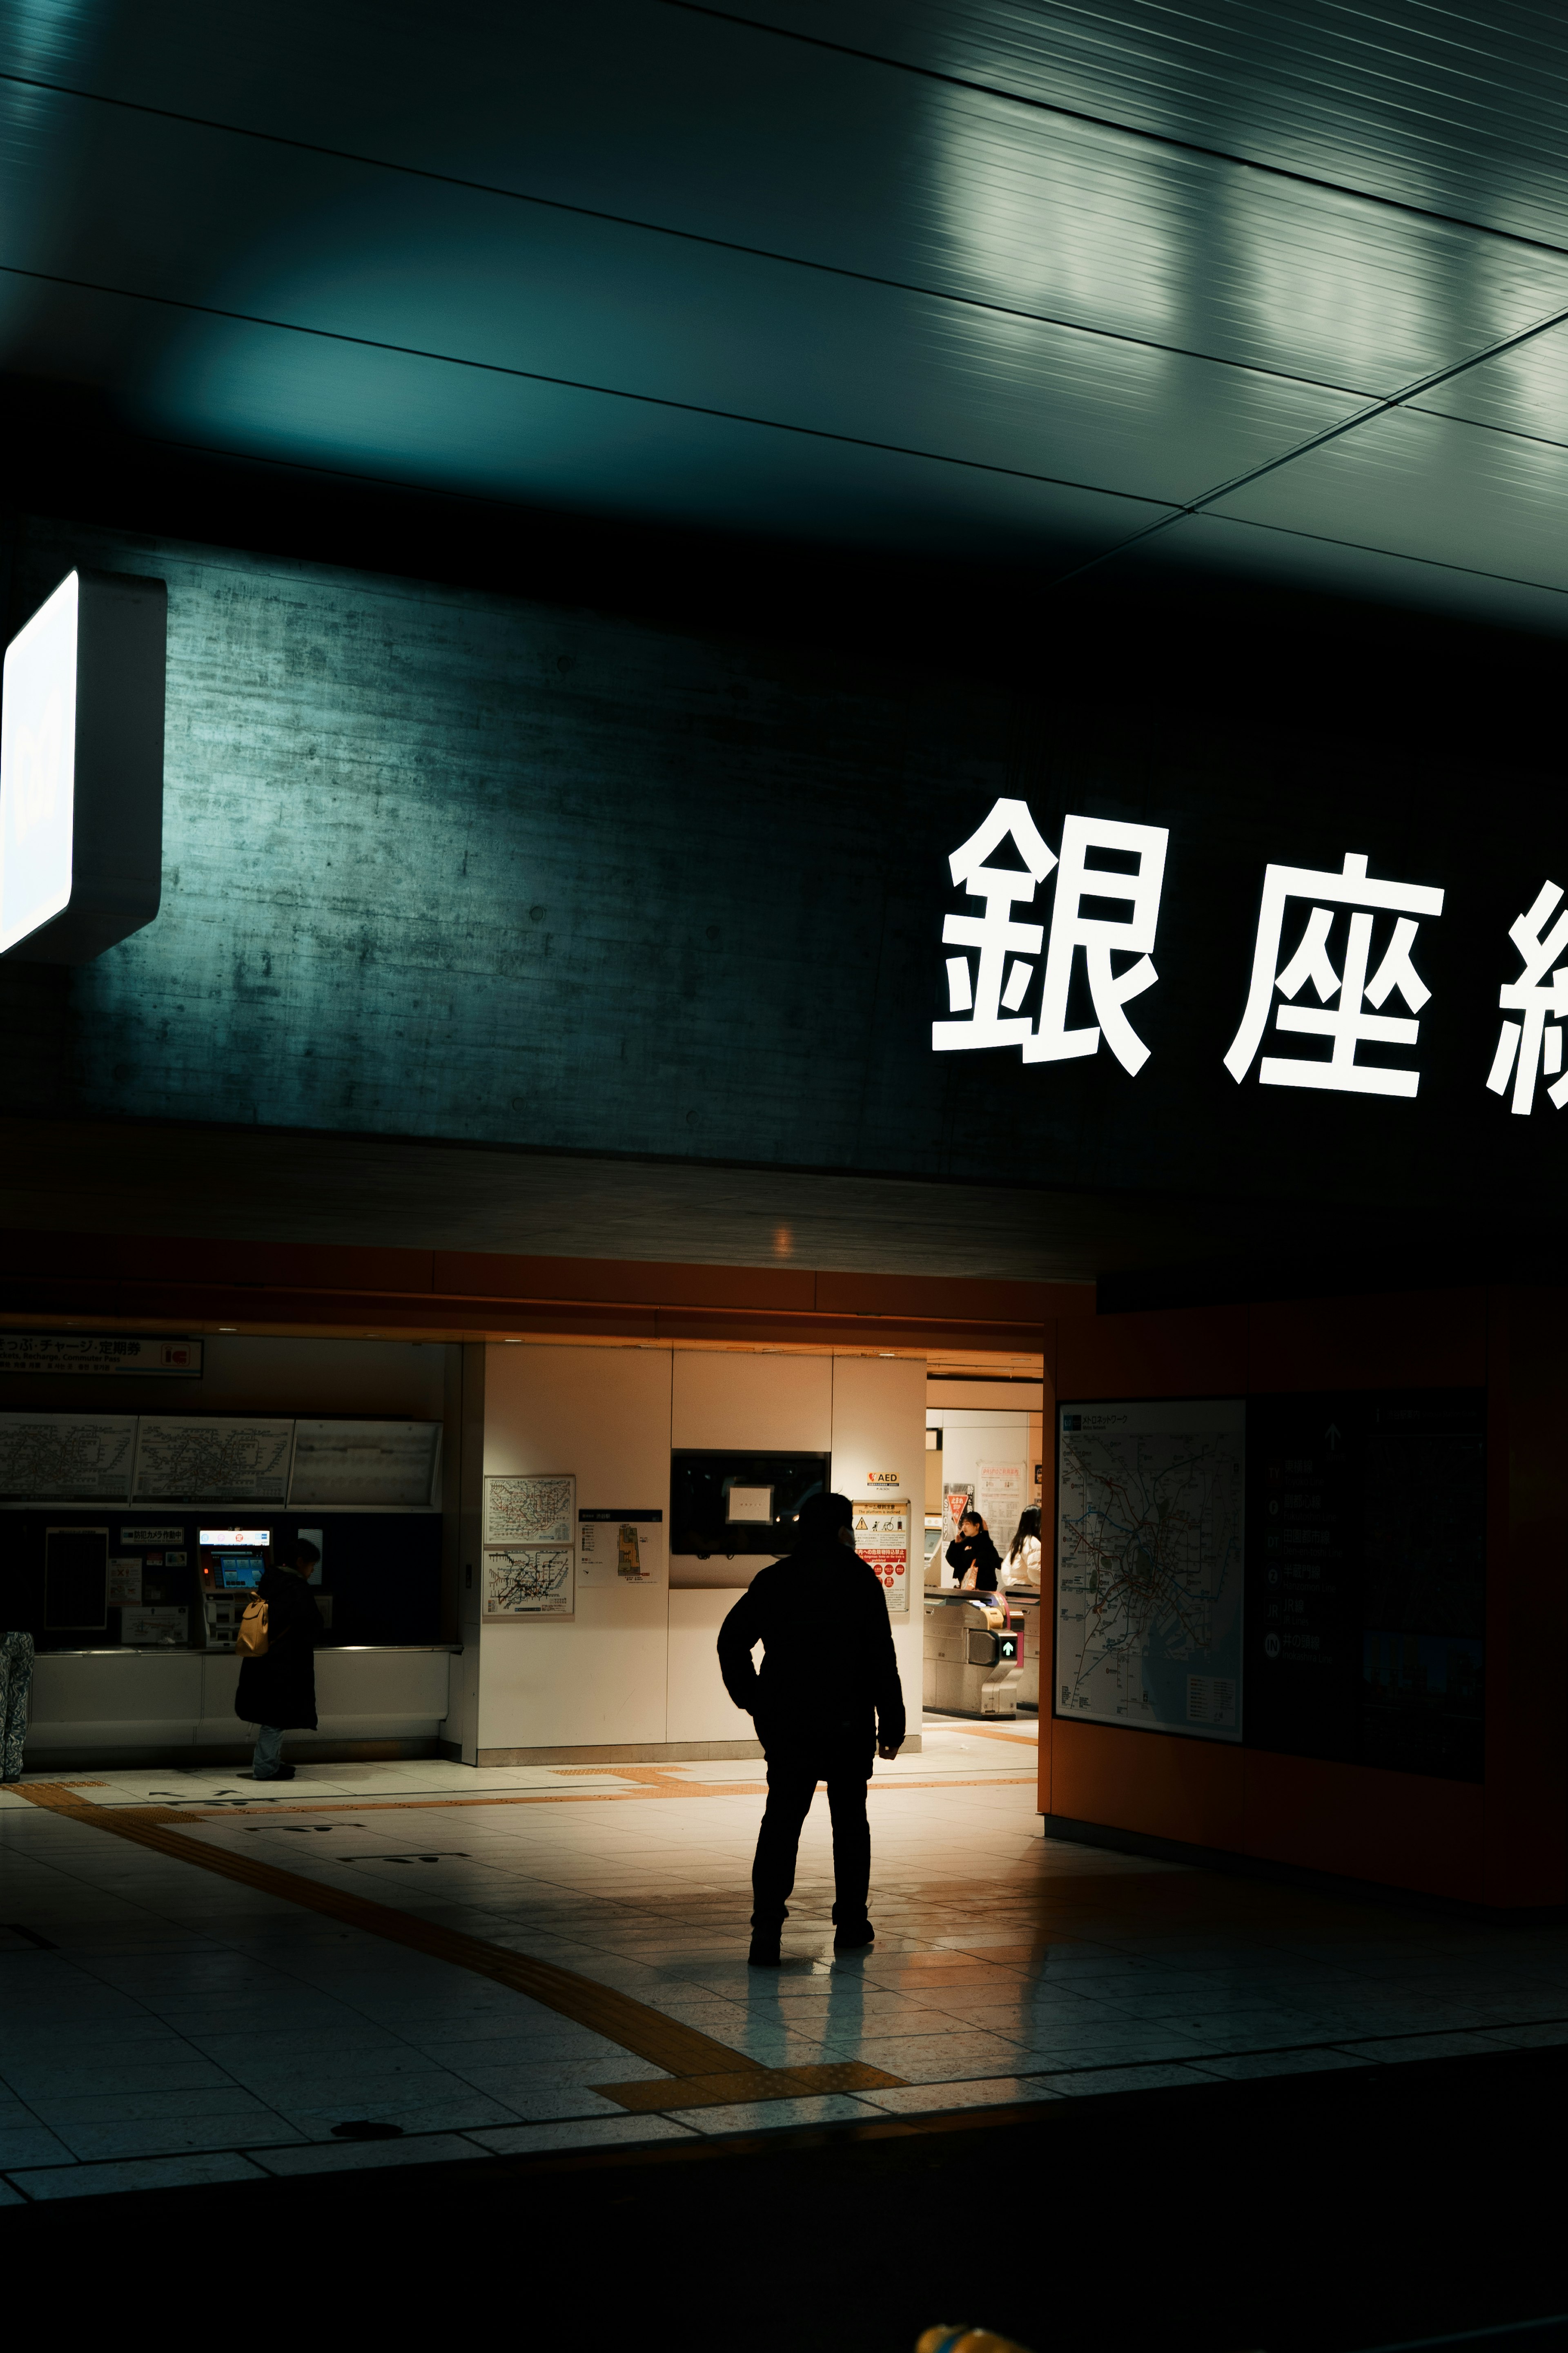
{"type": "Point", "coordinates": [980, 1551]}
{"type": "Point", "coordinates": [280, 1687]}
{"type": "Point", "coordinates": [829, 1676]}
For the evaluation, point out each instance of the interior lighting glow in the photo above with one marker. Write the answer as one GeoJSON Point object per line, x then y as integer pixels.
{"type": "Point", "coordinates": [37, 767]}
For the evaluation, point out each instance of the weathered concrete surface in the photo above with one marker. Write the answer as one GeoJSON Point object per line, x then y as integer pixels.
{"type": "Point", "coordinates": [439, 865]}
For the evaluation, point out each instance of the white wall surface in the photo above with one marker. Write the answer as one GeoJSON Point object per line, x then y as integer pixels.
{"type": "Point", "coordinates": [745, 1401]}
{"type": "Point", "coordinates": [699, 1707]}
{"type": "Point", "coordinates": [878, 1424]}
{"type": "Point", "coordinates": [597, 1678]}
{"type": "Point", "coordinates": [638, 1666]}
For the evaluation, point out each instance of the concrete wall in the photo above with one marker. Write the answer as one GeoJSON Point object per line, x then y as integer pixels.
{"type": "Point", "coordinates": [635, 1670]}
{"type": "Point", "coordinates": [439, 863]}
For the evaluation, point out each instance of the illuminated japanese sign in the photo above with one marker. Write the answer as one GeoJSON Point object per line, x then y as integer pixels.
{"type": "Point", "coordinates": [1348, 938]}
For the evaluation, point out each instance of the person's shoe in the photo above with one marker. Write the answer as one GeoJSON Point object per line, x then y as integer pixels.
{"type": "Point", "coordinates": [285, 1772]}
{"type": "Point", "coordinates": [851, 1933]}
{"type": "Point", "coordinates": [764, 1952]}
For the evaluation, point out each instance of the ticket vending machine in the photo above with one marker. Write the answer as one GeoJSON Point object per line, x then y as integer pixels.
{"type": "Point", "coordinates": [231, 1563]}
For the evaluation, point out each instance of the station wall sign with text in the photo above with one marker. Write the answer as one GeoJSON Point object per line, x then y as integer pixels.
{"type": "Point", "coordinates": [76, 1353]}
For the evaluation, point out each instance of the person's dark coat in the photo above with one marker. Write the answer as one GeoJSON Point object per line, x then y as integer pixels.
{"type": "Point", "coordinates": [982, 1553]}
{"type": "Point", "coordinates": [829, 1681]}
{"type": "Point", "coordinates": [280, 1687]}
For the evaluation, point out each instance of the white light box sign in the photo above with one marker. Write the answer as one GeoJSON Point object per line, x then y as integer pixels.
{"type": "Point", "coordinates": [81, 769]}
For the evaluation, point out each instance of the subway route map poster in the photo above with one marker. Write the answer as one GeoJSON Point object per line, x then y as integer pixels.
{"type": "Point", "coordinates": [1149, 1589]}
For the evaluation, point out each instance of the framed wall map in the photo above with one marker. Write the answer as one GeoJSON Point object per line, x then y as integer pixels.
{"type": "Point", "coordinates": [539, 1507]}
{"type": "Point", "coordinates": [530, 1581]}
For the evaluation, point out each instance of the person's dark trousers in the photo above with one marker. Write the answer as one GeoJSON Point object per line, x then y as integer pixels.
{"type": "Point", "coordinates": [792, 1784]}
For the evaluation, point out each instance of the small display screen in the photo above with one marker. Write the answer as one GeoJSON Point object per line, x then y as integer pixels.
{"type": "Point", "coordinates": [239, 1570]}
{"type": "Point", "coordinates": [738, 1503]}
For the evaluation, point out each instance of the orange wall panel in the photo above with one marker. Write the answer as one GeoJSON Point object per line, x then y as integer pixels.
{"type": "Point", "coordinates": [1419, 1339]}
{"type": "Point", "coordinates": [1527, 1603]}
{"type": "Point", "coordinates": [1194, 1352]}
{"type": "Point", "coordinates": [1506, 1843]}
{"type": "Point", "coordinates": [1150, 1781]}
{"type": "Point", "coordinates": [1402, 1830]}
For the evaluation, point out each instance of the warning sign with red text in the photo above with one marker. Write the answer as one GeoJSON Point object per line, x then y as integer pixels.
{"type": "Point", "coordinates": [882, 1541]}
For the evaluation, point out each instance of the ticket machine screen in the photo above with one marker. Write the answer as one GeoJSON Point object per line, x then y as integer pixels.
{"type": "Point", "coordinates": [236, 1569]}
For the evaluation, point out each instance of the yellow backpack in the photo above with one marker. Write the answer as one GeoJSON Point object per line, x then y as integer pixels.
{"type": "Point", "coordinates": [251, 1640]}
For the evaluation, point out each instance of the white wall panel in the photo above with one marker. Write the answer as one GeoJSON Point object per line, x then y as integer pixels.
{"type": "Point", "coordinates": [114, 1699]}
{"type": "Point", "coordinates": [879, 1424]}
{"type": "Point", "coordinates": [751, 1401]}
{"type": "Point", "coordinates": [598, 1678]}
{"type": "Point", "coordinates": [699, 1707]}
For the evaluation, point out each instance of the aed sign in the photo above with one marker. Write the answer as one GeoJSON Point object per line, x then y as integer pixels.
{"type": "Point", "coordinates": [81, 769]}
{"type": "Point", "coordinates": [881, 1478]}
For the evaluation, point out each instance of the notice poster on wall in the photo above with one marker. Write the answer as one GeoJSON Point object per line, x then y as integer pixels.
{"type": "Point", "coordinates": [882, 1541]}
{"type": "Point", "coordinates": [955, 1502]}
{"type": "Point", "coordinates": [125, 1581]}
{"type": "Point", "coordinates": [999, 1499]}
{"type": "Point", "coordinates": [622, 1548]}
{"type": "Point", "coordinates": [530, 1581]}
{"type": "Point", "coordinates": [536, 1507]}
{"type": "Point", "coordinates": [161, 1630]}
{"type": "Point", "coordinates": [1149, 1564]}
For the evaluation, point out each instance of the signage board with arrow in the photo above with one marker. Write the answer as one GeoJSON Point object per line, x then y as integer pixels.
{"type": "Point", "coordinates": [1367, 1579]}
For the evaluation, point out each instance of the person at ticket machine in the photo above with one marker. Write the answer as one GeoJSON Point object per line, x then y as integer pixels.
{"type": "Point", "coordinates": [972, 1556]}
{"type": "Point", "coordinates": [276, 1653]}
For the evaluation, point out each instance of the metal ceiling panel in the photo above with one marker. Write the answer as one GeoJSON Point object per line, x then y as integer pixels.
{"type": "Point", "coordinates": [840, 164]}
{"type": "Point", "coordinates": [1221, 543]}
{"type": "Point", "coordinates": [384, 413]}
{"type": "Point", "coordinates": [1499, 508]}
{"type": "Point", "coordinates": [1460, 110]}
{"type": "Point", "coordinates": [1524, 391]}
{"type": "Point", "coordinates": [458, 276]}
{"type": "Point", "coordinates": [1013, 280]}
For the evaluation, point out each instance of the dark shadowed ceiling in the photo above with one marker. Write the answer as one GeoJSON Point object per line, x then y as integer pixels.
{"type": "Point", "coordinates": [1276, 289]}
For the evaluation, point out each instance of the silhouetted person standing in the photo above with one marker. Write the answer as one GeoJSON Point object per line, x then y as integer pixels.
{"type": "Point", "coordinates": [828, 1697]}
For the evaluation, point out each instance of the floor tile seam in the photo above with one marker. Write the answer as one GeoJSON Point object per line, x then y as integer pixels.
{"type": "Point", "coordinates": [1346, 2045]}
{"type": "Point", "coordinates": [83, 1966]}
{"type": "Point", "coordinates": [650, 2037]}
{"type": "Point", "coordinates": [255, 2152]}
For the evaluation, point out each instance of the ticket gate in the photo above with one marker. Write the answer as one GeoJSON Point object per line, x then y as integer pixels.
{"type": "Point", "coordinates": [974, 1654]}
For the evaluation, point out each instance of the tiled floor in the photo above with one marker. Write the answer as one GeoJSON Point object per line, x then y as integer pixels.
{"type": "Point", "coordinates": [173, 2025]}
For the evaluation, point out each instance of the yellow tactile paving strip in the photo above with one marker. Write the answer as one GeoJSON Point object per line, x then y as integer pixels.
{"type": "Point", "coordinates": [707, 2074]}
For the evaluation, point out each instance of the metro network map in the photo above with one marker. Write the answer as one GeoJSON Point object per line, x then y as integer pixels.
{"type": "Point", "coordinates": [1149, 1561]}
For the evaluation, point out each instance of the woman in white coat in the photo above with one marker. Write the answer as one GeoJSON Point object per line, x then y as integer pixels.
{"type": "Point", "coordinates": [1022, 1564]}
